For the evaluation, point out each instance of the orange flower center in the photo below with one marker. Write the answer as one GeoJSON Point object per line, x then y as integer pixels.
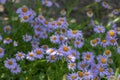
{"type": "Point", "coordinates": [107, 52]}
{"type": "Point", "coordinates": [1, 50]}
{"type": "Point", "coordinates": [24, 9]}
{"type": "Point", "coordinates": [19, 54]}
{"type": "Point", "coordinates": [112, 33]}
{"type": "Point", "coordinates": [80, 74]}
{"type": "Point", "coordinates": [25, 17]}
{"type": "Point", "coordinates": [31, 54]}
{"type": "Point", "coordinates": [74, 31]}
{"type": "Point", "coordinates": [10, 62]}
{"type": "Point", "coordinates": [65, 48]}
{"type": "Point", "coordinates": [52, 57]}
{"type": "Point", "coordinates": [103, 60]}
{"type": "Point", "coordinates": [38, 52]}
{"type": "Point", "coordinates": [101, 69]}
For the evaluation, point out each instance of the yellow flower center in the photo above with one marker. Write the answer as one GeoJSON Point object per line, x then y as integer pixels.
{"type": "Point", "coordinates": [107, 52]}
{"type": "Point", "coordinates": [38, 52]}
{"type": "Point", "coordinates": [51, 50]}
{"type": "Point", "coordinates": [7, 38]}
{"type": "Point", "coordinates": [101, 69]}
{"type": "Point", "coordinates": [58, 23]}
{"type": "Point", "coordinates": [94, 41]}
{"type": "Point", "coordinates": [80, 74]}
{"type": "Point", "coordinates": [60, 38]}
{"type": "Point", "coordinates": [103, 60]}
{"type": "Point", "coordinates": [41, 17]}
{"type": "Point", "coordinates": [54, 37]}
{"type": "Point", "coordinates": [46, 22]}
{"type": "Point", "coordinates": [112, 33]}
{"type": "Point", "coordinates": [95, 78]}
{"type": "Point", "coordinates": [31, 54]}
{"type": "Point", "coordinates": [112, 40]}
{"type": "Point", "coordinates": [25, 17]}
{"type": "Point", "coordinates": [77, 42]}
{"type": "Point", "coordinates": [65, 48]}
{"type": "Point", "coordinates": [74, 31]}
{"type": "Point", "coordinates": [7, 28]}
{"type": "Point", "coordinates": [73, 77]}
{"type": "Point", "coordinates": [104, 41]}
{"type": "Point", "coordinates": [38, 29]}
{"type": "Point", "coordinates": [24, 9]}
{"type": "Point", "coordinates": [86, 73]}
{"type": "Point", "coordinates": [19, 54]}
{"type": "Point", "coordinates": [10, 62]}
{"type": "Point", "coordinates": [72, 64]}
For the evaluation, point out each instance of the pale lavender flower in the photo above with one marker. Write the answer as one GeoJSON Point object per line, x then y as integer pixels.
{"type": "Point", "coordinates": [51, 58]}
{"type": "Point", "coordinates": [20, 56]}
{"type": "Point", "coordinates": [16, 69]}
{"type": "Point", "coordinates": [72, 76]}
{"type": "Point", "coordinates": [71, 66]}
{"type": "Point", "coordinates": [30, 56]}
{"type": "Point", "coordinates": [27, 37]}
{"type": "Point", "coordinates": [47, 3]}
{"type": "Point", "coordinates": [78, 43]}
{"type": "Point", "coordinates": [99, 29]}
{"type": "Point", "coordinates": [39, 53]}
{"type": "Point", "coordinates": [7, 40]}
{"type": "Point", "coordinates": [3, 1]}
{"type": "Point", "coordinates": [7, 29]}
{"type": "Point", "coordinates": [10, 63]}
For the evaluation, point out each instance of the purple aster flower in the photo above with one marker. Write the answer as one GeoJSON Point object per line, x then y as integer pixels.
{"type": "Point", "coordinates": [70, 58]}
{"type": "Point", "coordinates": [75, 53]}
{"type": "Point", "coordinates": [118, 50]}
{"type": "Point", "coordinates": [88, 57]}
{"type": "Point", "coordinates": [35, 44]}
{"type": "Point", "coordinates": [80, 75]}
{"type": "Point", "coordinates": [95, 41]}
{"type": "Point", "coordinates": [109, 71]}
{"type": "Point", "coordinates": [88, 75]}
{"type": "Point", "coordinates": [51, 58]}
{"type": "Point", "coordinates": [30, 56]}
{"type": "Point", "coordinates": [105, 4]}
{"type": "Point", "coordinates": [23, 9]}
{"type": "Point", "coordinates": [104, 43]}
{"type": "Point", "coordinates": [20, 56]}
{"type": "Point", "coordinates": [72, 76]}
{"type": "Point", "coordinates": [99, 29]}
{"type": "Point", "coordinates": [47, 3]}
{"type": "Point", "coordinates": [65, 49]}
{"type": "Point", "coordinates": [7, 40]}
{"type": "Point", "coordinates": [53, 25]}
{"type": "Point", "coordinates": [107, 53]}
{"type": "Point", "coordinates": [10, 63]}
{"type": "Point", "coordinates": [112, 41]}
{"type": "Point", "coordinates": [111, 33]}
{"type": "Point", "coordinates": [82, 65]}
{"type": "Point", "coordinates": [41, 19]}
{"type": "Point", "coordinates": [102, 60]}
{"type": "Point", "coordinates": [43, 35]}
{"type": "Point", "coordinates": [44, 47]}
{"type": "Point", "coordinates": [1, 52]}
{"type": "Point", "coordinates": [78, 43]}
{"type": "Point", "coordinates": [27, 37]}
{"type": "Point", "coordinates": [72, 34]}
{"type": "Point", "coordinates": [54, 39]}
{"type": "Point", "coordinates": [61, 39]}
{"type": "Point", "coordinates": [39, 53]}
{"type": "Point", "coordinates": [16, 69]}
{"type": "Point", "coordinates": [7, 29]}
{"type": "Point", "coordinates": [71, 66]}
{"type": "Point", "coordinates": [15, 43]}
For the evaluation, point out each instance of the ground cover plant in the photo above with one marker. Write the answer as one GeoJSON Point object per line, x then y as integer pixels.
{"type": "Point", "coordinates": [59, 40]}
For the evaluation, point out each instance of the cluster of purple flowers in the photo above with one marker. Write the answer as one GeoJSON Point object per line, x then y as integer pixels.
{"type": "Point", "coordinates": [84, 66]}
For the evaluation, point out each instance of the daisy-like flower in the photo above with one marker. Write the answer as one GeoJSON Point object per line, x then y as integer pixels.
{"type": "Point", "coordinates": [112, 41]}
{"type": "Point", "coordinates": [82, 65]}
{"type": "Point", "coordinates": [23, 9]}
{"type": "Point", "coordinates": [65, 49]}
{"type": "Point", "coordinates": [88, 57]}
{"type": "Point", "coordinates": [61, 39]}
{"type": "Point", "coordinates": [80, 75]}
{"type": "Point", "coordinates": [27, 37]}
{"type": "Point", "coordinates": [51, 58]}
{"type": "Point", "coordinates": [118, 50]}
{"type": "Point", "coordinates": [90, 13]}
{"type": "Point", "coordinates": [41, 19]}
{"type": "Point", "coordinates": [47, 3]}
{"type": "Point", "coordinates": [30, 56]}
{"type": "Point", "coordinates": [7, 29]}
{"type": "Point", "coordinates": [39, 53]}
{"type": "Point", "coordinates": [10, 63]}
{"type": "Point", "coordinates": [72, 34]}
{"type": "Point", "coordinates": [112, 77]}
{"type": "Point", "coordinates": [75, 53]}
{"type": "Point", "coordinates": [116, 11]}
{"type": "Point", "coordinates": [88, 75]}
{"type": "Point", "coordinates": [7, 40]}
{"type": "Point", "coordinates": [43, 35]}
{"type": "Point", "coordinates": [16, 69]}
{"type": "Point", "coordinates": [109, 71]}
{"type": "Point", "coordinates": [94, 42]}
{"type": "Point", "coordinates": [102, 60]}
{"type": "Point", "coordinates": [72, 76]}
{"type": "Point", "coordinates": [35, 44]}
{"type": "Point", "coordinates": [51, 51]}
{"type": "Point", "coordinates": [46, 23]}
{"type": "Point", "coordinates": [1, 52]}
{"type": "Point", "coordinates": [71, 66]}
{"type": "Point", "coordinates": [54, 39]}
{"type": "Point", "coordinates": [104, 43]}
{"type": "Point", "coordinates": [110, 61]}
{"type": "Point", "coordinates": [25, 17]}
{"type": "Point", "coordinates": [102, 71]}
{"type": "Point", "coordinates": [111, 33]}
{"type": "Point", "coordinates": [107, 53]}
{"type": "Point", "coordinates": [105, 4]}
{"type": "Point", "coordinates": [44, 47]}
{"type": "Point", "coordinates": [99, 29]}
{"type": "Point", "coordinates": [63, 12]}
{"type": "Point", "coordinates": [78, 43]}
{"type": "Point", "coordinates": [20, 56]}
{"type": "Point", "coordinates": [70, 58]}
